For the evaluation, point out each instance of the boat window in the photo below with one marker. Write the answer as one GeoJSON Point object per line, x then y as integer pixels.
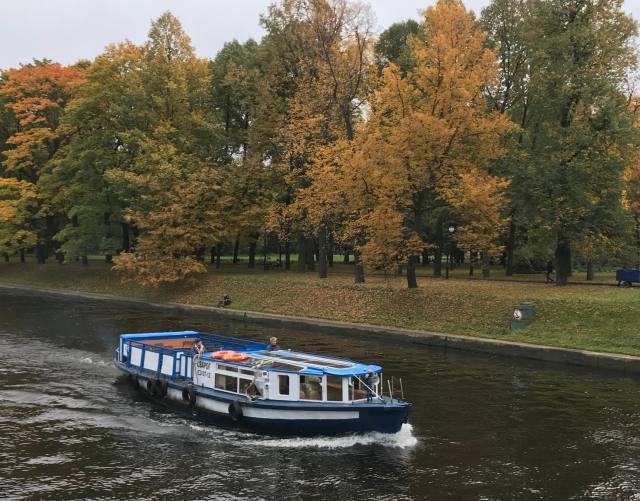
{"type": "Point", "coordinates": [228, 368]}
{"type": "Point", "coordinates": [244, 384]}
{"type": "Point", "coordinates": [310, 388]}
{"type": "Point", "coordinates": [249, 372]}
{"type": "Point", "coordinates": [334, 388]}
{"type": "Point", "coordinates": [357, 390]}
{"type": "Point", "coordinates": [228, 383]}
{"type": "Point", "coordinates": [283, 384]}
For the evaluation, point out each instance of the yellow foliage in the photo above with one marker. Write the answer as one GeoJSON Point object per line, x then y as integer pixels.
{"type": "Point", "coordinates": [429, 140]}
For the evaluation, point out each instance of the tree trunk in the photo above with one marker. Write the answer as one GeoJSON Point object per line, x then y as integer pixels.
{"type": "Point", "coordinates": [213, 254]}
{"type": "Point", "coordinates": [60, 257]}
{"type": "Point", "coordinates": [302, 254]}
{"type": "Point", "coordinates": [486, 259]}
{"type": "Point", "coordinates": [323, 261]}
{"type": "Point", "coordinates": [287, 256]}
{"type": "Point", "coordinates": [330, 250]}
{"type": "Point", "coordinates": [323, 258]}
{"type": "Point", "coordinates": [412, 279]}
{"type": "Point", "coordinates": [108, 258]}
{"type": "Point", "coordinates": [126, 243]}
{"type": "Point", "coordinates": [41, 253]}
{"type": "Point", "coordinates": [589, 271]}
{"type": "Point", "coordinates": [511, 245]}
{"type": "Point", "coordinates": [563, 260]}
{"type": "Point", "coordinates": [135, 232]}
{"type": "Point", "coordinates": [425, 258]}
{"type": "Point", "coordinates": [22, 259]}
{"type": "Point", "coordinates": [471, 263]}
{"type": "Point", "coordinates": [453, 251]}
{"type": "Point", "coordinates": [6, 257]}
{"type": "Point", "coordinates": [437, 257]}
{"type": "Point", "coordinates": [218, 255]}
{"type": "Point", "coordinates": [236, 249]}
{"type": "Point", "coordinates": [85, 260]}
{"type": "Point", "coordinates": [346, 257]}
{"type": "Point", "coordinates": [311, 254]}
{"type": "Point", "coordinates": [359, 269]}
{"type": "Point", "coordinates": [252, 253]}
{"type": "Point", "coordinates": [399, 270]}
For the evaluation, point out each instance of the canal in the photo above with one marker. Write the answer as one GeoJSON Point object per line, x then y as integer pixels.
{"type": "Point", "coordinates": [481, 427]}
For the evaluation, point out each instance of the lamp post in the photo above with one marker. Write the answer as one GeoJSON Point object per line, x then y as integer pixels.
{"type": "Point", "coordinates": [451, 229]}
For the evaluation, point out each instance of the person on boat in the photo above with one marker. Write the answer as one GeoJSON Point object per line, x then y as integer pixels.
{"type": "Point", "coordinates": [273, 344]}
{"type": "Point", "coordinates": [199, 347]}
{"type": "Point", "coordinates": [371, 381]}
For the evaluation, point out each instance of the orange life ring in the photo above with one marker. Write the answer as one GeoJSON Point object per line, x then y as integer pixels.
{"type": "Point", "coordinates": [222, 354]}
{"type": "Point", "coordinates": [235, 357]}
{"type": "Point", "coordinates": [230, 356]}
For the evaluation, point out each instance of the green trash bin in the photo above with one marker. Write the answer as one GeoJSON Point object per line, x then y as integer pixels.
{"type": "Point", "coordinates": [523, 315]}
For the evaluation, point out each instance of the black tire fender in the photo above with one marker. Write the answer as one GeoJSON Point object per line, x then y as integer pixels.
{"type": "Point", "coordinates": [136, 382]}
{"type": "Point", "coordinates": [151, 387]}
{"type": "Point", "coordinates": [235, 411]}
{"type": "Point", "coordinates": [161, 387]}
{"type": "Point", "coordinates": [189, 395]}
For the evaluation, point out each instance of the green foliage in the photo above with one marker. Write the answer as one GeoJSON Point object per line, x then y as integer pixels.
{"type": "Point", "coordinates": [393, 45]}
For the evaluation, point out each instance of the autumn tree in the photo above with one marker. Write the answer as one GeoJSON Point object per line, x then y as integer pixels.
{"type": "Point", "coordinates": [328, 43]}
{"type": "Point", "coordinates": [36, 94]}
{"type": "Point", "coordinates": [18, 204]}
{"type": "Point", "coordinates": [427, 131]}
{"type": "Point", "coordinates": [171, 179]}
{"type": "Point", "coordinates": [77, 181]}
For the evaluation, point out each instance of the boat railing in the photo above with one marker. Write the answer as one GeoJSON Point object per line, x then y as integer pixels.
{"type": "Point", "coordinates": [158, 359]}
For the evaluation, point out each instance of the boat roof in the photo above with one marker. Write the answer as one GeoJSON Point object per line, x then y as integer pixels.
{"type": "Point", "coordinates": [283, 360]}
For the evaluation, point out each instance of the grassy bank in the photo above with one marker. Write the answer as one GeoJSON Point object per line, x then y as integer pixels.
{"type": "Point", "coordinates": [577, 316]}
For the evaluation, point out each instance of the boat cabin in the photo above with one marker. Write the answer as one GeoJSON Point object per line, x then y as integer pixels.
{"type": "Point", "coordinates": [248, 368]}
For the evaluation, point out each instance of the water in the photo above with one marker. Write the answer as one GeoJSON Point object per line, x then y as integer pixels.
{"type": "Point", "coordinates": [482, 427]}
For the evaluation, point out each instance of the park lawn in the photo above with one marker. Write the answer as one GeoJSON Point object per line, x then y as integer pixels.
{"type": "Point", "coordinates": [589, 317]}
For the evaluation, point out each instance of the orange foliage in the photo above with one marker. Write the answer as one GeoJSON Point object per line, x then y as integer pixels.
{"type": "Point", "coordinates": [429, 142]}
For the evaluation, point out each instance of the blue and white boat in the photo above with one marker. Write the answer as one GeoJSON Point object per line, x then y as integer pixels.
{"type": "Point", "coordinates": [273, 390]}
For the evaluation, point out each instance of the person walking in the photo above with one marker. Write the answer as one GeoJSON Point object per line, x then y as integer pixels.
{"type": "Point", "coordinates": [549, 271]}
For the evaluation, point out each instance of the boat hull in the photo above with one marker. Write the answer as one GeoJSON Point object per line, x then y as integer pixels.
{"type": "Point", "coordinates": [290, 418]}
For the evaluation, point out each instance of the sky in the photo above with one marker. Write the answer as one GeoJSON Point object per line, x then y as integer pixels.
{"type": "Point", "coordinates": [68, 30]}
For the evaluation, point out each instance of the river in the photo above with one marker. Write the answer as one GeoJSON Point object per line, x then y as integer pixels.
{"type": "Point", "coordinates": [482, 427]}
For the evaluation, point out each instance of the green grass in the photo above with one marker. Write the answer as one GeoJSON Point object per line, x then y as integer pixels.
{"type": "Point", "coordinates": [587, 317]}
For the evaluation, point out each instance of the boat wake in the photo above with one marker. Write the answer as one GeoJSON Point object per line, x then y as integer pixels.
{"type": "Point", "coordinates": [403, 439]}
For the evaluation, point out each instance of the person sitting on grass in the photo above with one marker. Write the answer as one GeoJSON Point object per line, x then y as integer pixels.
{"type": "Point", "coordinates": [225, 301]}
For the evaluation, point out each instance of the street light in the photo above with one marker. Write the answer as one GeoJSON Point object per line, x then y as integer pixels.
{"type": "Point", "coordinates": [451, 229]}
